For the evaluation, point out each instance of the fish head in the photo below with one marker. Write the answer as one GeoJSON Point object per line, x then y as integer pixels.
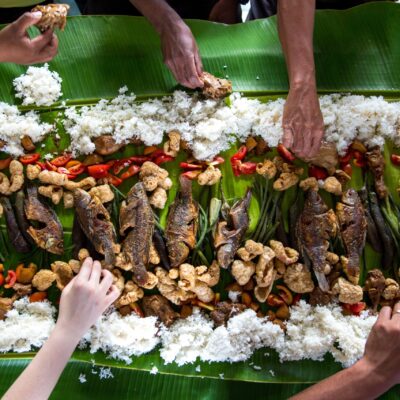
{"type": "Point", "coordinates": [55, 245]}
{"type": "Point", "coordinates": [350, 197]}
{"type": "Point", "coordinates": [82, 198]}
{"type": "Point", "coordinates": [315, 203]}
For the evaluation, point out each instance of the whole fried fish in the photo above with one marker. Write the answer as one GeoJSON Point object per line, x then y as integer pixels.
{"type": "Point", "coordinates": [137, 225]}
{"type": "Point", "coordinates": [49, 237]}
{"type": "Point", "coordinates": [315, 226]}
{"type": "Point", "coordinates": [353, 230]}
{"type": "Point", "coordinates": [229, 234]}
{"type": "Point", "coordinates": [95, 221]}
{"type": "Point", "coordinates": [182, 224]}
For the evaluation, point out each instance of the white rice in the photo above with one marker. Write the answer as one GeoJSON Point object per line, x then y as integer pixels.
{"type": "Point", "coordinates": [38, 86]}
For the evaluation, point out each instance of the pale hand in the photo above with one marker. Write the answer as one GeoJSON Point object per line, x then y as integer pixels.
{"type": "Point", "coordinates": [85, 298]}
{"type": "Point", "coordinates": [181, 55]}
{"type": "Point", "coordinates": [18, 48]}
{"type": "Point", "coordinates": [303, 125]}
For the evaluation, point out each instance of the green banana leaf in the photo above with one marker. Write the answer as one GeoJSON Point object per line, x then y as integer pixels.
{"type": "Point", "coordinates": [356, 51]}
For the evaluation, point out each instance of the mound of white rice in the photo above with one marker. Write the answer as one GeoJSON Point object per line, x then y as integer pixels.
{"type": "Point", "coordinates": [38, 86]}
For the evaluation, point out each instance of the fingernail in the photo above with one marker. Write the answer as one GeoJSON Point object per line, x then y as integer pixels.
{"type": "Point", "coordinates": [37, 14]}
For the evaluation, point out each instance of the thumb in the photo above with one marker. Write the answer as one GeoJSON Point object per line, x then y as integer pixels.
{"type": "Point", "coordinates": [26, 20]}
{"type": "Point", "coordinates": [287, 139]}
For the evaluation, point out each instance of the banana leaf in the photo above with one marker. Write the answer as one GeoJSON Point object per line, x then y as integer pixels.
{"type": "Point", "coordinates": [356, 51]}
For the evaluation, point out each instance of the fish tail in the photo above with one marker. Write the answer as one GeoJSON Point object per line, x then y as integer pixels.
{"type": "Point", "coordinates": [322, 281]}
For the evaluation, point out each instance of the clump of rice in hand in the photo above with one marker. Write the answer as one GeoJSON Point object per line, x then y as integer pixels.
{"type": "Point", "coordinates": [38, 86]}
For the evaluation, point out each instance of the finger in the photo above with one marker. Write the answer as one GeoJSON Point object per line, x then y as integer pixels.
{"type": "Point", "coordinates": [112, 295]}
{"type": "Point", "coordinates": [106, 281]}
{"type": "Point", "coordinates": [198, 63]}
{"type": "Point", "coordinates": [396, 311]}
{"type": "Point", "coordinates": [68, 287]}
{"type": "Point", "coordinates": [86, 269]}
{"type": "Point", "coordinates": [192, 76]}
{"type": "Point", "coordinates": [298, 142]}
{"type": "Point", "coordinates": [316, 142]}
{"type": "Point", "coordinates": [385, 314]}
{"type": "Point", "coordinates": [95, 273]}
{"type": "Point", "coordinates": [26, 20]}
{"type": "Point", "coordinates": [42, 40]}
{"type": "Point", "coordinates": [287, 138]}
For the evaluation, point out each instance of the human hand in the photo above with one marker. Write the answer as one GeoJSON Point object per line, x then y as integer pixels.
{"type": "Point", "coordinates": [382, 350]}
{"type": "Point", "coordinates": [181, 55]}
{"type": "Point", "coordinates": [225, 11]}
{"type": "Point", "coordinates": [85, 298]}
{"type": "Point", "coordinates": [303, 125]}
{"type": "Point", "coordinates": [17, 47]}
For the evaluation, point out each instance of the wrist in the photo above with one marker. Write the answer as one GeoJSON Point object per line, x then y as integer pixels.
{"type": "Point", "coordinates": [71, 334]}
{"type": "Point", "coordinates": [378, 376]}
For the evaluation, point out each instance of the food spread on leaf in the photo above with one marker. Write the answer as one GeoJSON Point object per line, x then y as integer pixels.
{"type": "Point", "coordinates": [208, 224]}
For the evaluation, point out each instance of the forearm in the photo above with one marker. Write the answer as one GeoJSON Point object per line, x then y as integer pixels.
{"type": "Point", "coordinates": [296, 27]}
{"type": "Point", "coordinates": [39, 378]}
{"type": "Point", "coordinates": [160, 14]}
{"type": "Point", "coordinates": [359, 382]}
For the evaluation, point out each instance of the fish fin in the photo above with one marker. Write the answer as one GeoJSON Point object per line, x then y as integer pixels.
{"type": "Point", "coordinates": [322, 281]}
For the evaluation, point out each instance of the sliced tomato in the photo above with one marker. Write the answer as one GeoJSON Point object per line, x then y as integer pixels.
{"type": "Point", "coordinates": [243, 168]}
{"type": "Point", "coordinates": [37, 296]}
{"type": "Point", "coordinates": [360, 163]}
{"type": "Point", "coordinates": [61, 160]}
{"type": "Point", "coordinates": [29, 158]}
{"type": "Point", "coordinates": [354, 309]}
{"type": "Point", "coordinates": [99, 171]}
{"type": "Point", "coordinates": [347, 157]}
{"type": "Point", "coordinates": [10, 279]}
{"type": "Point", "coordinates": [5, 163]}
{"type": "Point", "coordinates": [139, 160]}
{"type": "Point", "coordinates": [119, 165]}
{"type": "Point", "coordinates": [42, 165]}
{"type": "Point", "coordinates": [72, 163]}
{"type": "Point", "coordinates": [285, 153]}
{"type": "Point", "coordinates": [348, 169]}
{"type": "Point", "coordinates": [1, 279]}
{"type": "Point", "coordinates": [132, 170]}
{"type": "Point", "coordinates": [65, 171]}
{"type": "Point", "coordinates": [77, 169]}
{"type": "Point", "coordinates": [50, 166]}
{"type": "Point", "coordinates": [217, 161]}
{"type": "Point", "coordinates": [317, 172]}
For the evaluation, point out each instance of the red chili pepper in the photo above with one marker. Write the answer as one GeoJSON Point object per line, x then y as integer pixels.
{"type": "Point", "coordinates": [42, 165]}
{"type": "Point", "coordinates": [348, 169]}
{"type": "Point", "coordinates": [113, 180]}
{"type": "Point", "coordinates": [358, 155]}
{"type": "Point", "coordinates": [190, 166]}
{"type": "Point", "coordinates": [163, 158]}
{"type": "Point", "coordinates": [317, 172]}
{"type": "Point", "coordinates": [285, 153]}
{"type": "Point", "coordinates": [11, 279]}
{"type": "Point", "coordinates": [99, 171]}
{"type": "Point", "coordinates": [1, 279]}
{"type": "Point", "coordinates": [37, 296]}
{"type": "Point", "coordinates": [65, 171]}
{"type": "Point", "coordinates": [192, 174]}
{"type": "Point", "coordinates": [156, 154]}
{"type": "Point", "coordinates": [29, 158]}
{"type": "Point", "coordinates": [49, 166]}
{"type": "Point", "coordinates": [347, 157]}
{"type": "Point", "coordinates": [240, 154]}
{"type": "Point", "coordinates": [132, 170]}
{"type": "Point", "coordinates": [77, 169]}
{"type": "Point", "coordinates": [5, 163]}
{"type": "Point", "coordinates": [61, 160]}
{"type": "Point", "coordinates": [139, 160]}
{"type": "Point", "coordinates": [395, 159]}
{"type": "Point", "coordinates": [354, 309]}
{"type": "Point", "coordinates": [217, 160]}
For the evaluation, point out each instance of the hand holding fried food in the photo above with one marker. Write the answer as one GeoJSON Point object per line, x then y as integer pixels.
{"type": "Point", "coordinates": [53, 16]}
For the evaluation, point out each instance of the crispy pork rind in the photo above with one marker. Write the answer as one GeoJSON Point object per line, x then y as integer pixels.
{"type": "Point", "coordinates": [118, 279]}
{"type": "Point", "coordinates": [210, 176]}
{"type": "Point", "coordinates": [267, 169]}
{"type": "Point", "coordinates": [285, 254]}
{"type": "Point", "coordinates": [43, 279]}
{"type": "Point", "coordinates": [103, 192]}
{"type": "Point", "coordinates": [154, 176]}
{"type": "Point", "coordinates": [242, 271]}
{"type": "Point", "coordinates": [172, 145]}
{"type": "Point", "coordinates": [215, 88]}
{"type": "Point", "coordinates": [309, 184]}
{"type": "Point", "coordinates": [53, 16]}
{"type": "Point", "coordinates": [131, 294]}
{"type": "Point", "coordinates": [169, 288]}
{"type": "Point", "coordinates": [347, 292]}
{"type": "Point", "coordinates": [63, 273]}
{"type": "Point", "coordinates": [265, 274]}
{"type": "Point", "coordinates": [250, 250]}
{"type": "Point", "coordinates": [11, 185]}
{"type": "Point", "coordinates": [391, 290]}
{"type": "Point", "coordinates": [332, 185]}
{"type": "Point", "coordinates": [298, 278]}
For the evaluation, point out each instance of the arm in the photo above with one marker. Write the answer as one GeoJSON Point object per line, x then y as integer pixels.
{"type": "Point", "coordinates": [17, 47]}
{"type": "Point", "coordinates": [83, 300]}
{"type": "Point", "coordinates": [303, 125]}
{"type": "Point", "coordinates": [226, 12]}
{"type": "Point", "coordinates": [374, 374]}
{"type": "Point", "coordinates": [181, 54]}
